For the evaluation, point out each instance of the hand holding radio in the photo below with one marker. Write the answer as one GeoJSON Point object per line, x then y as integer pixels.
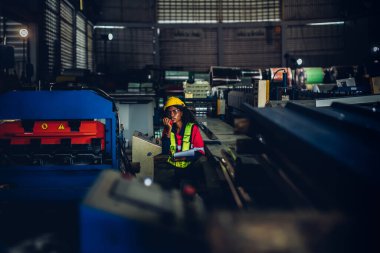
{"type": "Point", "coordinates": [168, 123]}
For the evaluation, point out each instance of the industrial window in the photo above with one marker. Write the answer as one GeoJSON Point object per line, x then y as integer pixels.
{"type": "Point", "coordinates": [2, 35]}
{"type": "Point", "coordinates": [51, 34]}
{"type": "Point", "coordinates": [81, 56]}
{"type": "Point", "coordinates": [90, 46]}
{"type": "Point", "coordinates": [213, 11]}
{"type": "Point", "coordinates": [67, 35]}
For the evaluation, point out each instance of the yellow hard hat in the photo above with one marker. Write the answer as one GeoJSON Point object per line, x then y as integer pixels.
{"type": "Point", "coordinates": [172, 101]}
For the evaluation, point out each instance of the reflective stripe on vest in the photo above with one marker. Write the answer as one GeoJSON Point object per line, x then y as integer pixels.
{"type": "Point", "coordinates": [185, 146]}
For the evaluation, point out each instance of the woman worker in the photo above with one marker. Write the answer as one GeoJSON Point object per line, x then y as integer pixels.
{"type": "Point", "coordinates": [181, 134]}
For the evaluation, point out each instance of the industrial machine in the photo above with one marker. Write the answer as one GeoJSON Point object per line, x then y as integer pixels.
{"type": "Point", "coordinates": [173, 81]}
{"type": "Point", "coordinates": [304, 166]}
{"type": "Point", "coordinates": [280, 84]}
{"type": "Point", "coordinates": [27, 142]}
{"type": "Point", "coordinates": [224, 75]}
{"type": "Point", "coordinates": [58, 141]}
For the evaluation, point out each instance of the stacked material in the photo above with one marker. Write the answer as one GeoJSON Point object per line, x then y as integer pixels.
{"type": "Point", "coordinates": [198, 89]}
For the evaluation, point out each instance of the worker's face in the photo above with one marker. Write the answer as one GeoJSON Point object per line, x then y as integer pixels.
{"type": "Point", "coordinates": [174, 114]}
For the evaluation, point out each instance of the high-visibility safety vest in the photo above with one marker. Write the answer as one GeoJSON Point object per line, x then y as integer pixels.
{"type": "Point", "coordinates": [186, 139]}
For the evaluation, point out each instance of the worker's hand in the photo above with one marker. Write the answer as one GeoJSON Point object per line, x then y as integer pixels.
{"type": "Point", "coordinates": [167, 123]}
{"type": "Point", "coordinates": [168, 126]}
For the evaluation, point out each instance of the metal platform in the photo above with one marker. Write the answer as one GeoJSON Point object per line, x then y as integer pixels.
{"type": "Point", "coordinates": [223, 136]}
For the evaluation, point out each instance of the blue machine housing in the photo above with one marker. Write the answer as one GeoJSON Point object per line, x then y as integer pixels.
{"type": "Point", "coordinates": [54, 182]}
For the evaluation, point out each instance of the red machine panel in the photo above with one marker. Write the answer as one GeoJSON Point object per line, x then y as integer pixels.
{"type": "Point", "coordinates": [52, 132]}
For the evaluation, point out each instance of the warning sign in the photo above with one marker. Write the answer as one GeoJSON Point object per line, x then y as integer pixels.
{"type": "Point", "coordinates": [61, 127]}
{"type": "Point", "coordinates": [44, 126]}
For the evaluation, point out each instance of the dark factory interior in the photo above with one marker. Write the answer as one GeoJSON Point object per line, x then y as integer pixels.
{"type": "Point", "coordinates": [216, 126]}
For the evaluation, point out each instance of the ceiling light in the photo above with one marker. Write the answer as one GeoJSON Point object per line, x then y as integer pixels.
{"type": "Point", "coordinates": [328, 23]}
{"type": "Point", "coordinates": [24, 32]}
{"type": "Point", "coordinates": [108, 27]}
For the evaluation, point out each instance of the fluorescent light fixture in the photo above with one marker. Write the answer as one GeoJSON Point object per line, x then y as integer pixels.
{"type": "Point", "coordinates": [213, 21]}
{"type": "Point", "coordinates": [108, 27]}
{"type": "Point", "coordinates": [187, 21]}
{"type": "Point", "coordinates": [328, 23]}
{"type": "Point", "coordinates": [251, 21]}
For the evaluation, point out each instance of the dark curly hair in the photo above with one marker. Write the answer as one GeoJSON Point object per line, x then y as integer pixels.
{"type": "Point", "coordinates": [187, 116]}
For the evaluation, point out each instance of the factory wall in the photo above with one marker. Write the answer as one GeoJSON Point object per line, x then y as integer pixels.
{"type": "Point", "coordinates": [147, 40]}
{"type": "Point", "coordinates": [141, 11]}
{"type": "Point", "coordinates": [130, 48]}
{"type": "Point", "coordinates": [130, 116]}
{"type": "Point", "coordinates": [190, 48]}
{"type": "Point", "coordinates": [252, 47]}
{"type": "Point", "coordinates": [194, 35]}
{"type": "Point", "coordinates": [316, 45]}
{"type": "Point", "coordinates": [24, 48]}
{"type": "Point", "coordinates": [312, 9]}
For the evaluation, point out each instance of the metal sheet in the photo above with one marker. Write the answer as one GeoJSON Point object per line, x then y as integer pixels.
{"type": "Point", "coordinates": [323, 151]}
{"type": "Point", "coordinates": [348, 100]}
{"type": "Point", "coordinates": [143, 151]}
